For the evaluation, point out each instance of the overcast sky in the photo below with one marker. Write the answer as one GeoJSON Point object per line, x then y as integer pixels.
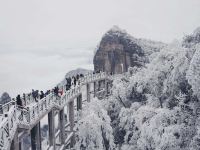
{"type": "Point", "coordinates": [40, 40]}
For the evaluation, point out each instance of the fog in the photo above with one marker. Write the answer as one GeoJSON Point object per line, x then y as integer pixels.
{"type": "Point", "coordinates": [41, 40]}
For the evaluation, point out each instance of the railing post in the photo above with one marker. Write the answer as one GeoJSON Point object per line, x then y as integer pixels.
{"type": "Point", "coordinates": [88, 91]}
{"type": "Point", "coordinates": [36, 137]}
{"type": "Point", "coordinates": [51, 129]}
{"type": "Point", "coordinates": [62, 126]}
{"type": "Point", "coordinates": [71, 120]}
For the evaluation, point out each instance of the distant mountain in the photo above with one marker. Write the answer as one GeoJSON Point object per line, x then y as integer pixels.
{"type": "Point", "coordinates": [5, 98]}
{"type": "Point", "coordinates": [74, 73]}
{"type": "Point", "coordinates": [77, 71]}
{"type": "Point", "coordinates": [118, 51]}
{"type": "Point", "coordinates": [192, 39]}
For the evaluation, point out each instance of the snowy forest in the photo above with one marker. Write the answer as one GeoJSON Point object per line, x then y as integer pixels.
{"type": "Point", "coordinates": [153, 107]}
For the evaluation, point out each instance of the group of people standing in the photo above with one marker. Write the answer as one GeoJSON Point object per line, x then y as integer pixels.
{"type": "Point", "coordinates": [73, 81]}
{"type": "Point", "coordinates": [37, 95]}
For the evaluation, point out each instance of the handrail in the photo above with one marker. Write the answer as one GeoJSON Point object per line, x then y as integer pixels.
{"type": "Point", "coordinates": [5, 107]}
{"type": "Point", "coordinates": [14, 115]}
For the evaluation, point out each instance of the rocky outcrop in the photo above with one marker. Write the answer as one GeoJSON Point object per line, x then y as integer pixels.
{"type": "Point", "coordinates": [118, 51]}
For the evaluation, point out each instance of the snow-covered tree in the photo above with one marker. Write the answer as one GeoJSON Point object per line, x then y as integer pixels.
{"type": "Point", "coordinates": [94, 130]}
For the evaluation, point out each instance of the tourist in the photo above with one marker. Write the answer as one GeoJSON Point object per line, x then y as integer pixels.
{"type": "Point", "coordinates": [19, 101]}
{"type": "Point", "coordinates": [67, 87]}
{"type": "Point", "coordinates": [72, 81]}
{"type": "Point", "coordinates": [41, 94]}
{"type": "Point", "coordinates": [75, 81]}
{"type": "Point", "coordinates": [56, 91]}
{"type": "Point", "coordinates": [47, 92]}
{"type": "Point", "coordinates": [69, 82]}
{"type": "Point", "coordinates": [77, 77]}
{"type": "Point", "coordinates": [81, 75]}
{"type": "Point", "coordinates": [24, 98]}
{"type": "Point", "coordinates": [35, 95]}
{"type": "Point", "coordinates": [60, 92]}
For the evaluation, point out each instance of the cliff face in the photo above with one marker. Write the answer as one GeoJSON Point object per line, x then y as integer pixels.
{"type": "Point", "coordinates": [118, 51]}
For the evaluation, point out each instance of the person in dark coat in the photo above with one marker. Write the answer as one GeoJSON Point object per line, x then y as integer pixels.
{"type": "Point", "coordinates": [81, 75]}
{"type": "Point", "coordinates": [47, 93]}
{"type": "Point", "coordinates": [77, 77]}
{"type": "Point", "coordinates": [35, 95]}
{"type": "Point", "coordinates": [19, 101]}
{"type": "Point", "coordinates": [41, 94]}
{"type": "Point", "coordinates": [74, 81]}
{"type": "Point", "coordinates": [69, 82]}
{"type": "Point", "coordinates": [67, 87]}
{"type": "Point", "coordinates": [56, 91]}
{"type": "Point", "coordinates": [66, 80]}
{"type": "Point", "coordinates": [24, 98]}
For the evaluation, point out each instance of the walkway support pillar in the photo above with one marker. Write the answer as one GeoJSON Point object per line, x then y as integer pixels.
{"type": "Point", "coordinates": [71, 121]}
{"type": "Point", "coordinates": [104, 83]}
{"type": "Point", "coordinates": [88, 92]}
{"type": "Point", "coordinates": [99, 85]}
{"type": "Point", "coordinates": [62, 126]}
{"type": "Point", "coordinates": [51, 129]}
{"type": "Point", "coordinates": [79, 102]}
{"type": "Point", "coordinates": [107, 87]}
{"type": "Point", "coordinates": [36, 137]}
{"type": "Point", "coordinates": [15, 145]}
{"type": "Point", "coordinates": [95, 88]}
